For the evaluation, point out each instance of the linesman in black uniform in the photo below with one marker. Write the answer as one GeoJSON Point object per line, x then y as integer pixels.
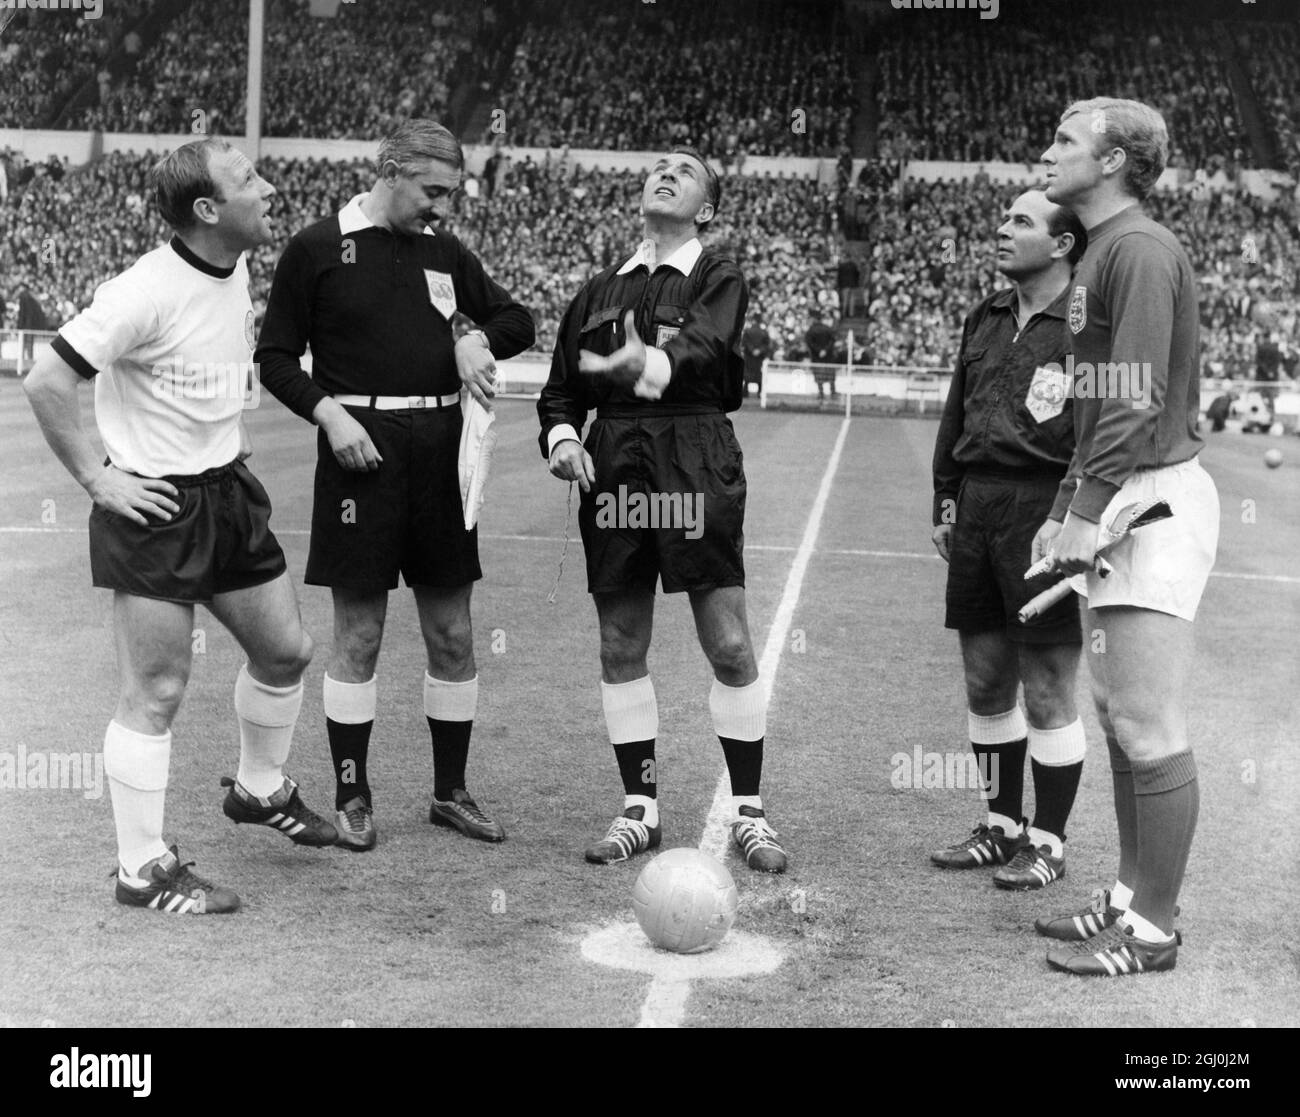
{"type": "Point", "coordinates": [373, 290]}
{"type": "Point", "coordinates": [1004, 444]}
{"type": "Point", "coordinates": [653, 346]}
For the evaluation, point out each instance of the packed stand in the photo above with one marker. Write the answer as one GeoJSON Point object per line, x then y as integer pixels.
{"type": "Point", "coordinates": [924, 258]}
{"type": "Point", "coordinates": [48, 54]}
{"type": "Point", "coordinates": [350, 77]}
{"type": "Point", "coordinates": [758, 79]}
{"type": "Point", "coordinates": [996, 92]}
{"type": "Point", "coordinates": [1271, 56]}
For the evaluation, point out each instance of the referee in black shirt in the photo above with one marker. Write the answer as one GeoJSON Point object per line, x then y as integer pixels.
{"type": "Point", "coordinates": [652, 345]}
{"type": "Point", "coordinates": [373, 290]}
{"type": "Point", "coordinates": [1004, 444]}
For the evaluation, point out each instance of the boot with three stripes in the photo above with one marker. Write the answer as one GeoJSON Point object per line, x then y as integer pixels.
{"type": "Point", "coordinates": [283, 811]}
{"type": "Point", "coordinates": [173, 889]}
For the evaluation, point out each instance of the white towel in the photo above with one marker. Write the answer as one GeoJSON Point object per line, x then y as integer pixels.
{"type": "Point", "coordinates": [477, 442]}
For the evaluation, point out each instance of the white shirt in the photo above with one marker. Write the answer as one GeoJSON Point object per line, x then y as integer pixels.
{"type": "Point", "coordinates": [173, 349]}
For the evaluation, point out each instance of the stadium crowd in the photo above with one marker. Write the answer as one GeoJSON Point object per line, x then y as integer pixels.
{"type": "Point", "coordinates": [320, 76]}
{"type": "Point", "coordinates": [996, 92]}
{"type": "Point", "coordinates": [756, 79]}
{"type": "Point", "coordinates": [924, 256]}
{"type": "Point", "coordinates": [1272, 57]}
{"type": "Point", "coordinates": [46, 56]}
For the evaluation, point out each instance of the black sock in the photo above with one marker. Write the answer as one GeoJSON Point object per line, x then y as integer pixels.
{"type": "Point", "coordinates": [349, 745]}
{"type": "Point", "coordinates": [636, 764]}
{"type": "Point", "coordinates": [1003, 767]}
{"type": "Point", "coordinates": [1055, 786]}
{"type": "Point", "coordinates": [450, 755]}
{"type": "Point", "coordinates": [744, 764]}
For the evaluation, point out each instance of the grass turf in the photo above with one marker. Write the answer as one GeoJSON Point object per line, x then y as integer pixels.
{"type": "Point", "coordinates": [432, 929]}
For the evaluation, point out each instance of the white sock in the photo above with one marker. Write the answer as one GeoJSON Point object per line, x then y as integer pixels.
{"type": "Point", "coordinates": [1144, 929]}
{"type": "Point", "coordinates": [738, 801]}
{"type": "Point", "coordinates": [1010, 827]}
{"type": "Point", "coordinates": [651, 807]}
{"type": "Point", "coordinates": [448, 701]}
{"type": "Point", "coordinates": [267, 715]}
{"type": "Point", "coordinates": [136, 765]}
{"type": "Point", "coordinates": [1121, 895]}
{"type": "Point", "coordinates": [1045, 838]}
{"type": "Point", "coordinates": [631, 712]}
{"type": "Point", "coordinates": [350, 703]}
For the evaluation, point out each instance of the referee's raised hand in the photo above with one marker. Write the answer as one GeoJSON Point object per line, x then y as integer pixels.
{"type": "Point", "coordinates": [625, 365]}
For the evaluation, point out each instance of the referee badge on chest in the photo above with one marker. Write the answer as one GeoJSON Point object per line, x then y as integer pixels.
{"type": "Point", "coordinates": [1078, 315]}
{"type": "Point", "coordinates": [1048, 391]}
{"type": "Point", "coordinates": [442, 293]}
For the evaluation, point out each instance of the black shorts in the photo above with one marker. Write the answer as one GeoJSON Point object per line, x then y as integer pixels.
{"type": "Point", "coordinates": [992, 544]}
{"type": "Point", "coordinates": [405, 516]}
{"type": "Point", "coordinates": [668, 503]}
{"type": "Point", "coordinates": [219, 541]}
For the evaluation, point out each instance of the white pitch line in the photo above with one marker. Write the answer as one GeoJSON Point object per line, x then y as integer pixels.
{"type": "Point", "coordinates": [715, 837]}
{"type": "Point", "coordinates": [842, 552]}
{"type": "Point", "coordinates": [665, 1001]}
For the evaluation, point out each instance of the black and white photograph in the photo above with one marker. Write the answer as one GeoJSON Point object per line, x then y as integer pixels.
{"type": "Point", "coordinates": [651, 514]}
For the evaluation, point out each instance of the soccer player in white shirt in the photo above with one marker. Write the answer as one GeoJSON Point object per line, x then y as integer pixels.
{"type": "Point", "coordinates": [178, 519]}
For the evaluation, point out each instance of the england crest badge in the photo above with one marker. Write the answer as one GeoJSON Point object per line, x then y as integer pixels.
{"type": "Point", "coordinates": [442, 292]}
{"type": "Point", "coordinates": [1078, 315]}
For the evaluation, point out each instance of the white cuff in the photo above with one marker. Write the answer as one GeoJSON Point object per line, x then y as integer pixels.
{"type": "Point", "coordinates": [658, 372]}
{"type": "Point", "coordinates": [558, 434]}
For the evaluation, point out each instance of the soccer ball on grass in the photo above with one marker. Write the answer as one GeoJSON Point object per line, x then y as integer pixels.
{"type": "Point", "coordinates": [685, 901]}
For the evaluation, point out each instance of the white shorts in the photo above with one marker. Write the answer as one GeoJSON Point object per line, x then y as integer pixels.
{"type": "Point", "coordinates": [1164, 566]}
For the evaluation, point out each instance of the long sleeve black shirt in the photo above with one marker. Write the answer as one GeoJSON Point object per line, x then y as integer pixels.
{"type": "Point", "coordinates": [696, 319]}
{"type": "Point", "coordinates": [364, 301]}
{"type": "Point", "coordinates": [1000, 414]}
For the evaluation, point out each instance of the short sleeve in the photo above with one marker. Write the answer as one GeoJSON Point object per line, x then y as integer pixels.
{"type": "Point", "coordinates": [118, 319]}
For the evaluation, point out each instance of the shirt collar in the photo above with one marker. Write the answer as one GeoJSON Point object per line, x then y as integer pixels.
{"type": "Point", "coordinates": [1005, 299]}
{"type": "Point", "coordinates": [684, 259]}
{"type": "Point", "coordinates": [192, 258]}
{"type": "Point", "coordinates": [351, 217]}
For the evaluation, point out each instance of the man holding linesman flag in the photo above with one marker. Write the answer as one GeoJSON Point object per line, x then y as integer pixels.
{"type": "Point", "coordinates": [653, 344]}
{"type": "Point", "coordinates": [374, 290]}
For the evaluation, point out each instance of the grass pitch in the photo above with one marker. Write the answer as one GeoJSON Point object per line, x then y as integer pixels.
{"type": "Point", "coordinates": [433, 929]}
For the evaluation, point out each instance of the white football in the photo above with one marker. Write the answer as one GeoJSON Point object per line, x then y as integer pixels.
{"type": "Point", "coordinates": [685, 901]}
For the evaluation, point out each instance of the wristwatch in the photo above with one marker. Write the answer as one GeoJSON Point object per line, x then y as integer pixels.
{"type": "Point", "coordinates": [483, 338]}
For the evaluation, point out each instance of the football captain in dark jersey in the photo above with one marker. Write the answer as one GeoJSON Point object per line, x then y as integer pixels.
{"type": "Point", "coordinates": [1133, 333]}
{"type": "Point", "coordinates": [374, 290]}
{"type": "Point", "coordinates": [652, 345]}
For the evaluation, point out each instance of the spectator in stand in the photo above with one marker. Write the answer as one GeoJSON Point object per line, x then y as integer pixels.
{"type": "Point", "coordinates": [756, 345]}
{"type": "Point", "coordinates": [847, 278]}
{"type": "Point", "coordinates": [820, 340]}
